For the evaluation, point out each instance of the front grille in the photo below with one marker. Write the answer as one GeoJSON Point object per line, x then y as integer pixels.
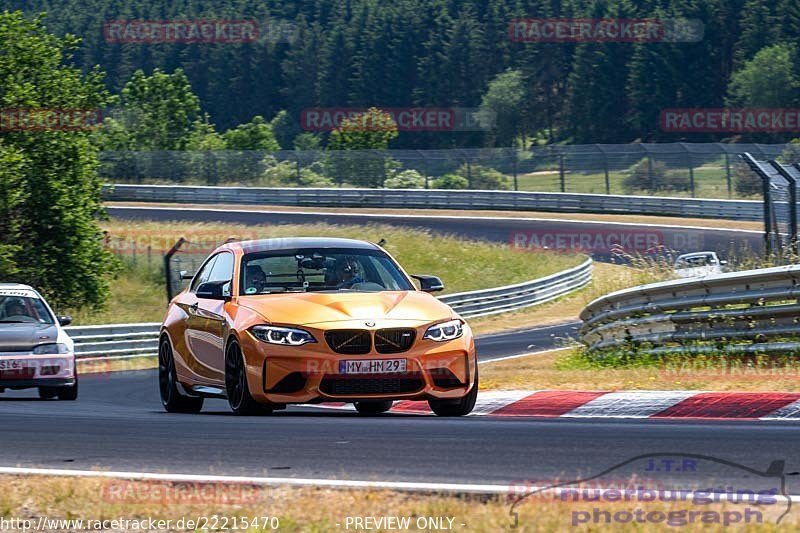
{"type": "Point", "coordinates": [337, 385]}
{"type": "Point", "coordinates": [394, 340]}
{"type": "Point", "coordinates": [349, 341]}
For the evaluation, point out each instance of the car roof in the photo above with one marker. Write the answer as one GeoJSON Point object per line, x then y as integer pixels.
{"type": "Point", "coordinates": [291, 243]}
{"type": "Point", "coordinates": [16, 287]}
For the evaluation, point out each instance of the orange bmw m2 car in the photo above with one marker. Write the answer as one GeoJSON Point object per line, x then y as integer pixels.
{"type": "Point", "coordinates": [307, 320]}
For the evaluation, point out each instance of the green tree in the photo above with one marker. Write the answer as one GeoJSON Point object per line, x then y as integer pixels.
{"type": "Point", "coordinates": [50, 189]}
{"type": "Point", "coordinates": [159, 110]}
{"type": "Point", "coordinates": [767, 80]}
{"type": "Point", "coordinates": [254, 135]}
{"type": "Point", "coordinates": [371, 130]}
{"type": "Point", "coordinates": [504, 100]}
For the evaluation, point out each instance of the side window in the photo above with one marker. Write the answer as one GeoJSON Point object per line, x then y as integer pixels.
{"type": "Point", "coordinates": [222, 269]}
{"type": "Point", "coordinates": [203, 274]}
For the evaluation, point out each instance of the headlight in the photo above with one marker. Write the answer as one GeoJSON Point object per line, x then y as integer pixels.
{"type": "Point", "coordinates": [446, 331]}
{"type": "Point", "coordinates": [50, 349]}
{"type": "Point", "coordinates": [285, 336]}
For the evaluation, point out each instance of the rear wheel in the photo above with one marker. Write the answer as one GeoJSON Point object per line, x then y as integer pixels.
{"type": "Point", "coordinates": [239, 397]}
{"type": "Point", "coordinates": [171, 398]}
{"type": "Point", "coordinates": [460, 407]}
{"type": "Point", "coordinates": [373, 408]}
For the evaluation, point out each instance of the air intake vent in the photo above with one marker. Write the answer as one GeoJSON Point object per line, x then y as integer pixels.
{"type": "Point", "coordinates": [336, 385]}
{"type": "Point", "coordinates": [349, 341]}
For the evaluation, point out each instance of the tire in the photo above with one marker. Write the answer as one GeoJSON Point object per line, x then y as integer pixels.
{"type": "Point", "coordinates": [47, 393]}
{"type": "Point", "coordinates": [238, 392]}
{"type": "Point", "coordinates": [68, 394]}
{"type": "Point", "coordinates": [460, 407]}
{"type": "Point", "coordinates": [373, 407]}
{"type": "Point", "coordinates": [171, 398]}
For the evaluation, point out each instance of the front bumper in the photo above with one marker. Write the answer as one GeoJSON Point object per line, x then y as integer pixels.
{"type": "Point", "coordinates": [311, 373]}
{"type": "Point", "coordinates": [26, 370]}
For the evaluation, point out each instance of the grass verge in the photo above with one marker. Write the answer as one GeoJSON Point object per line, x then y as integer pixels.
{"type": "Point", "coordinates": [318, 510]}
{"type": "Point", "coordinates": [570, 370]}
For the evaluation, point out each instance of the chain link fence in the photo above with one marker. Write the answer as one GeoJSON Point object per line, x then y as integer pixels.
{"type": "Point", "coordinates": [699, 170]}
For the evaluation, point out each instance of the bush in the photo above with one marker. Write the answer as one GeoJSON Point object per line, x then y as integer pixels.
{"type": "Point", "coordinates": [407, 179]}
{"type": "Point", "coordinates": [451, 181]}
{"type": "Point", "coordinates": [284, 174]}
{"type": "Point", "coordinates": [484, 178]}
{"type": "Point", "coordinates": [654, 177]}
{"type": "Point", "coordinates": [746, 182]}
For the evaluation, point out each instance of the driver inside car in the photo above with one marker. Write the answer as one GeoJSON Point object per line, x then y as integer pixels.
{"type": "Point", "coordinates": [347, 273]}
{"type": "Point", "coordinates": [16, 308]}
{"type": "Point", "coordinates": [255, 279]}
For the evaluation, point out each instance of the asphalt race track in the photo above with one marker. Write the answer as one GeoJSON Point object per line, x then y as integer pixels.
{"type": "Point", "coordinates": [505, 230]}
{"type": "Point", "coordinates": [118, 424]}
{"type": "Point", "coordinates": [508, 343]}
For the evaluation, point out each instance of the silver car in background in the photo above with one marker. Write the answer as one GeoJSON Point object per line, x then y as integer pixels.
{"type": "Point", "coordinates": [35, 351]}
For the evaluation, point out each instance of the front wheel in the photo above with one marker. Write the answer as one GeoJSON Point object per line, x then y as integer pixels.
{"type": "Point", "coordinates": [460, 407]}
{"type": "Point", "coordinates": [69, 394]}
{"type": "Point", "coordinates": [171, 398]}
{"type": "Point", "coordinates": [238, 392]}
{"type": "Point", "coordinates": [373, 408]}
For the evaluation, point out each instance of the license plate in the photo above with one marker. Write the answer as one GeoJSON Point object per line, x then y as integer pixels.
{"type": "Point", "coordinates": [372, 366]}
{"type": "Point", "coordinates": [10, 365]}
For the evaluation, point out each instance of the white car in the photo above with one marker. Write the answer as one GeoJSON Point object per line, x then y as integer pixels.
{"type": "Point", "coordinates": [699, 264]}
{"type": "Point", "coordinates": [35, 351]}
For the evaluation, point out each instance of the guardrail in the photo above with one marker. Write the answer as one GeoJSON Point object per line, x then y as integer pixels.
{"type": "Point", "coordinates": [115, 340]}
{"type": "Point", "coordinates": [753, 311]}
{"type": "Point", "coordinates": [137, 340]}
{"type": "Point", "coordinates": [501, 299]}
{"type": "Point", "coordinates": [440, 199]}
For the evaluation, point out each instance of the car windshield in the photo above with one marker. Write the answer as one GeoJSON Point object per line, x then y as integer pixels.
{"type": "Point", "coordinates": [695, 261]}
{"type": "Point", "coordinates": [23, 309]}
{"type": "Point", "coordinates": [327, 269]}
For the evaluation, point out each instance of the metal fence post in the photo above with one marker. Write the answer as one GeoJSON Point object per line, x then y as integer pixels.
{"type": "Point", "coordinates": [561, 178]}
{"type": "Point", "coordinates": [728, 174]}
{"type": "Point", "coordinates": [691, 173]}
{"type": "Point", "coordinates": [514, 168]}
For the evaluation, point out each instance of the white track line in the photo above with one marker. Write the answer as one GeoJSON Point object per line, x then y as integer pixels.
{"type": "Point", "coordinates": [507, 357]}
{"type": "Point", "coordinates": [265, 481]}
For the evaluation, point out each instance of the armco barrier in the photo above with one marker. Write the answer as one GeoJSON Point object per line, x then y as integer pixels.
{"type": "Point", "coordinates": [136, 340]}
{"type": "Point", "coordinates": [439, 199]}
{"type": "Point", "coordinates": [752, 311]}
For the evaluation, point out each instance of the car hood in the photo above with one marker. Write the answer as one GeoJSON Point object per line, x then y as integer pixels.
{"type": "Point", "coordinates": [316, 307]}
{"type": "Point", "coordinates": [23, 337]}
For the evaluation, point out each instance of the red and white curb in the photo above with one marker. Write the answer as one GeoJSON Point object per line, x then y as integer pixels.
{"type": "Point", "coordinates": [624, 404]}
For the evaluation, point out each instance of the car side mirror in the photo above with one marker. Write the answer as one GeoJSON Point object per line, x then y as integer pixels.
{"type": "Point", "coordinates": [186, 274]}
{"type": "Point", "coordinates": [214, 290]}
{"type": "Point", "coordinates": [429, 283]}
{"type": "Point", "coordinates": [723, 262]}
{"type": "Point", "coordinates": [64, 320]}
